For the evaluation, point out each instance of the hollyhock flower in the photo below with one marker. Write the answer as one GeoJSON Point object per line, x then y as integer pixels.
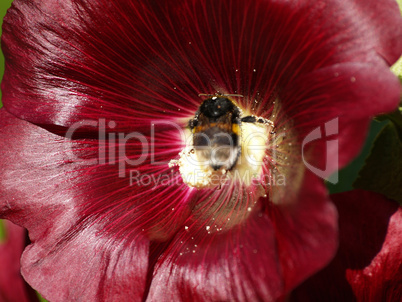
{"type": "Point", "coordinates": [12, 285]}
{"type": "Point", "coordinates": [368, 264]}
{"type": "Point", "coordinates": [95, 163]}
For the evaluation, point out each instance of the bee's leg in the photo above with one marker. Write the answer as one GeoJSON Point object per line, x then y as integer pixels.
{"type": "Point", "coordinates": [249, 119]}
{"type": "Point", "coordinates": [192, 123]}
{"type": "Point", "coordinates": [255, 119]}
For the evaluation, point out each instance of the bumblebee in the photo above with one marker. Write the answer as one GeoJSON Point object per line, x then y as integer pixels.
{"type": "Point", "coordinates": [216, 129]}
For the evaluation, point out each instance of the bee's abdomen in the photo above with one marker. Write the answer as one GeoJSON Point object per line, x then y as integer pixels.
{"type": "Point", "coordinates": [220, 149]}
{"type": "Point", "coordinates": [215, 136]}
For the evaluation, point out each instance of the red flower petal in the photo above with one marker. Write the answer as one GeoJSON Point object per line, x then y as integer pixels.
{"type": "Point", "coordinates": [41, 187]}
{"type": "Point", "coordinates": [87, 267]}
{"type": "Point", "coordinates": [349, 90]}
{"type": "Point", "coordinates": [260, 259]}
{"type": "Point", "coordinates": [125, 61]}
{"type": "Point", "coordinates": [368, 264]}
{"type": "Point", "coordinates": [44, 175]}
{"type": "Point", "coordinates": [347, 95]}
{"type": "Point", "coordinates": [238, 265]}
{"type": "Point", "coordinates": [55, 189]}
{"type": "Point", "coordinates": [306, 231]}
{"type": "Point", "coordinates": [12, 285]}
{"type": "Point", "coordinates": [136, 62]}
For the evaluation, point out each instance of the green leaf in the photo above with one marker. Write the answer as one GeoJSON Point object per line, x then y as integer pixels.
{"type": "Point", "coordinates": [348, 175]}
{"type": "Point", "coordinates": [41, 299]}
{"type": "Point", "coordinates": [397, 69]}
{"type": "Point", "coordinates": [3, 233]}
{"type": "Point", "coordinates": [396, 118]}
{"type": "Point", "coordinates": [383, 170]}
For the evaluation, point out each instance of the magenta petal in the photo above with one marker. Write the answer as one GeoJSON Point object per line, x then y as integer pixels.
{"type": "Point", "coordinates": [123, 61]}
{"type": "Point", "coordinates": [13, 288]}
{"type": "Point", "coordinates": [238, 265]}
{"type": "Point", "coordinates": [306, 232]}
{"type": "Point", "coordinates": [70, 257]}
{"type": "Point", "coordinates": [368, 264]}
{"type": "Point", "coordinates": [332, 151]}
{"type": "Point", "coordinates": [348, 90]}
{"type": "Point", "coordinates": [347, 149]}
{"type": "Point", "coordinates": [138, 62]}
{"type": "Point", "coordinates": [261, 259]}
{"type": "Point", "coordinates": [383, 19]}
{"type": "Point", "coordinates": [45, 176]}
{"type": "Point", "coordinates": [87, 267]}
{"type": "Point", "coordinates": [338, 102]}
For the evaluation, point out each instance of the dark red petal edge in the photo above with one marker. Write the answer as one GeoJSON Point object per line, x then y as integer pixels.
{"type": "Point", "coordinates": [368, 264]}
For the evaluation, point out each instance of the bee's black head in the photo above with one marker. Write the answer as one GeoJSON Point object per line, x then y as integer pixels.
{"type": "Point", "coordinates": [216, 106]}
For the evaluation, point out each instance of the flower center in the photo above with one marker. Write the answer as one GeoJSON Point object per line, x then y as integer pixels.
{"type": "Point", "coordinates": [224, 145]}
{"type": "Point", "coordinates": [237, 162]}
